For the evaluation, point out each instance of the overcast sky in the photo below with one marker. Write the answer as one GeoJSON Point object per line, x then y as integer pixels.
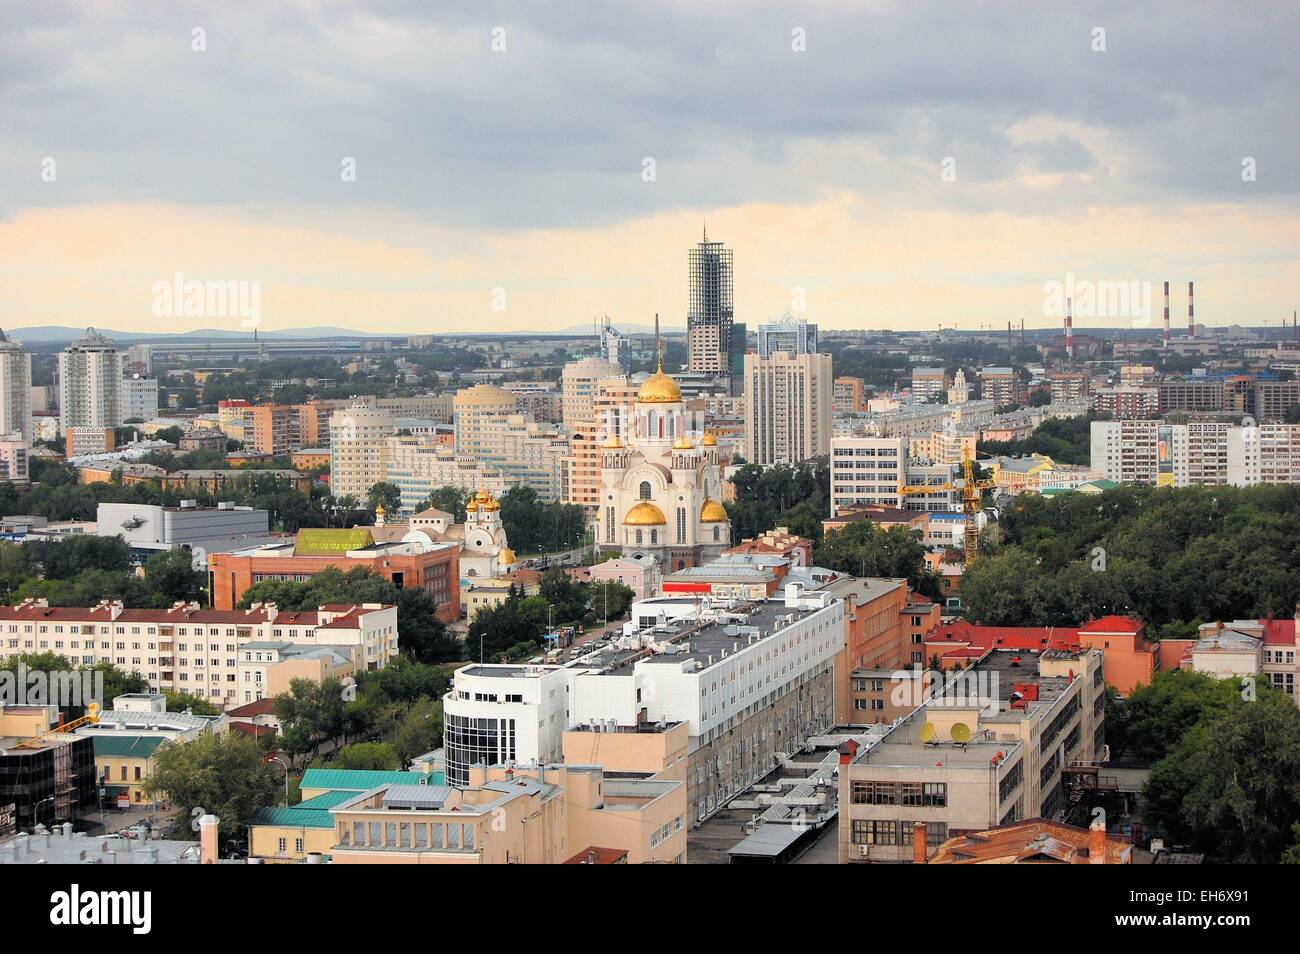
{"type": "Point", "coordinates": [913, 164]}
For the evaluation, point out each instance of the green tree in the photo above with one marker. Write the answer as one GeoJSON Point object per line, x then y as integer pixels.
{"type": "Point", "coordinates": [180, 701]}
{"type": "Point", "coordinates": [420, 730]}
{"type": "Point", "coordinates": [1231, 785]}
{"type": "Point", "coordinates": [374, 756]}
{"type": "Point", "coordinates": [221, 774]}
{"type": "Point", "coordinates": [388, 494]}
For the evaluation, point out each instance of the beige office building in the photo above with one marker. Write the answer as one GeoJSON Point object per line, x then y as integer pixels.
{"type": "Point", "coordinates": [359, 449]}
{"type": "Point", "coordinates": [579, 383]}
{"type": "Point", "coordinates": [787, 407]}
{"type": "Point", "coordinates": [611, 410]}
{"type": "Point", "coordinates": [1008, 739]}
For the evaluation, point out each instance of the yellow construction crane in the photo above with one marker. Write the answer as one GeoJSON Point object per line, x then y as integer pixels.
{"type": "Point", "coordinates": [972, 492]}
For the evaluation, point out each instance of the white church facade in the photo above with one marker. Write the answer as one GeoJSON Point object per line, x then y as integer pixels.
{"type": "Point", "coordinates": [661, 490]}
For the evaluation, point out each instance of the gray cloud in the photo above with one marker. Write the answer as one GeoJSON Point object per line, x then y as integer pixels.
{"type": "Point", "coordinates": [553, 131]}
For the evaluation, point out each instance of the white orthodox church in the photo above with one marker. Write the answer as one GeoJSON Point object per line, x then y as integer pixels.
{"type": "Point", "coordinates": [485, 552]}
{"type": "Point", "coordinates": [661, 491]}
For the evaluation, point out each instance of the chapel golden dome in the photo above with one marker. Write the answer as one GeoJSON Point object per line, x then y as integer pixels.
{"type": "Point", "coordinates": [644, 514]}
{"type": "Point", "coordinates": [471, 506]}
{"type": "Point", "coordinates": [482, 496]}
{"type": "Point", "coordinates": [659, 389]}
{"type": "Point", "coordinates": [713, 512]}
{"type": "Point", "coordinates": [612, 443]}
{"type": "Point", "coordinates": [506, 557]}
{"type": "Point", "coordinates": [492, 505]}
{"type": "Point", "coordinates": [709, 440]}
{"type": "Point", "coordinates": [683, 443]}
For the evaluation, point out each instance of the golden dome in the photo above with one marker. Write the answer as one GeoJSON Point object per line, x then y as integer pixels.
{"type": "Point", "coordinates": [659, 389]}
{"type": "Point", "coordinates": [482, 496]}
{"type": "Point", "coordinates": [644, 514]}
{"type": "Point", "coordinates": [683, 443]}
{"type": "Point", "coordinates": [712, 512]}
{"type": "Point", "coordinates": [379, 510]}
{"type": "Point", "coordinates": [492, 505]}
{"type": "Point", "coordinates": [506, 557]}
{"type": "Point", "coordinates": [613, 443]}
{"type": "Point", "coordinates": [472, 506]}
{"type": "Point", "coordinates": [709, 440]}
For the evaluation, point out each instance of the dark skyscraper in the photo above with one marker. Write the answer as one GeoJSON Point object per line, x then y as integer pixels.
{"type": "Point", "coordinates": [711, 310]}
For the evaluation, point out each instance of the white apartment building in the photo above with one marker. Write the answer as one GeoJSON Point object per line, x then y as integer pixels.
{"type": "Point", "coordinates": [15, 389]}
{"type": "Point", "coordinates": [188, 649]}
{"type": "Point", "coordinates": [867, 470]}
{"type": "Point", "coordinates": [359, 444]}
{"type": "Point", "coordinates": [751, 681]}
{"type": "Point", "coordinates": [788, 401]}
{"type": "Point", "coordinates": [90, 383]}
{"type": "Point", "coordinates": [139, 398]}
{"type": "Point", "coordinates": [420, 465]}
{"type": "Point", "coordinates": [499, 714]}
{"type": "Point", "coordinates": [1199, 453]}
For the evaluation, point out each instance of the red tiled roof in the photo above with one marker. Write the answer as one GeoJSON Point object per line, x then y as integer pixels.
{"type": "Point", "coordinates": [260, 707]}
{"type": "Point", "coordinates": [1112, 624]}
{"type": "Point", "coordinates": [183, 614]}
{"type": "Point", "coordinates": [249, 728]}
{"type": "Point", "coordinates": [1279, 632]}
{"type": "Point", "coordinates": [599, 856]}
{"type": "Point", "coordinates": [1004, 637]}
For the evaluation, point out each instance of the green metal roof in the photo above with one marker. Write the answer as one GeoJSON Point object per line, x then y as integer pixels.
{"type": "Point", "coordinates": [325, 802]}
{"type": "Point", "coordinates": [361, 780]}
{"type": "Point", "coordinates": [293, 818]}
{"type": "Point", "coordinates": [119, 746]}
{"type": "Point", "coordinates": [326, 541]}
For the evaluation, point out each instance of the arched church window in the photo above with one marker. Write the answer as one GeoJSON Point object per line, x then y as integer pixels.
{"type": "Point", "coordinates": [644, 491]}
{"type": "Point", "coordinates": [638, 538]}
{"type": "Point", "coordinates": [717, 533]}
{"type": "Point", "coordinates": [654, 537]}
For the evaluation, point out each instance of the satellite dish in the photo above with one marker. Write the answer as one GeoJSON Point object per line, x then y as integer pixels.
{"type": "Point", "coordinates": [928, 733]}
{"type": "Point", "coordinates": [961, 733]}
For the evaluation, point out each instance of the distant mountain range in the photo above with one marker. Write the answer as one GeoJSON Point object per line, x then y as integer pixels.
{"type": "Point", "coordinates": [59, 334]}
{"type": "Point", "coordinates": [49, 334]}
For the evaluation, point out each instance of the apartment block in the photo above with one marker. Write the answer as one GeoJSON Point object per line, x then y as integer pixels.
{"type": "Point", "coordinates": [1126, 402]}
{"type": "Point", "coordinates": [1069, 386]}
{"type": "Point", "coordinates": [1002, 386]}
{"type": "Point", "coordinates": [849, 395]}
{"type": "Point", "coordinates": [929, 383]}
{"type": "Point", "coordinates": [992, 745]}
{"type": "Point", "coordinates": [359, 448]}
{"type": "Point", "coordinates": [787, 407]}
{"type": "Point", "coordinates": [867, 470]}
{"type": "Point", "coordinates": [15, 389]}
{"type": "Point", "coordinates": [188, 649]}
{"type": "Point", "coordinates": [1199, 453]}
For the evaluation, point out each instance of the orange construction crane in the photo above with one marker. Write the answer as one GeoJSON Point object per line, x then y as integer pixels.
{"type": "Point", "coordinates": [972, 493]}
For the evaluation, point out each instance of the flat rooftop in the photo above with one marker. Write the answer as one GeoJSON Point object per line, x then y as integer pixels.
{"type": "Point", "coordinates": [1012, 667]}
{"type": "Point", "coordinates": [705, 642]}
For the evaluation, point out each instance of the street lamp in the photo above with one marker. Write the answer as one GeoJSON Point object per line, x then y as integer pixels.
{"type": "Point", "coordinates": [36, 811]}
{"type": "Point", "coordinates": [285, 766]}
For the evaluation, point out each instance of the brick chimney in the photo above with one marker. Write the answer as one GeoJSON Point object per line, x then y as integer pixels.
{"type": "Point", "coordinates": [208, 851]}
{"type": "Point", "coordinates": [918, 843]}
{"type": "Point", "coordinates": [1097, 842]}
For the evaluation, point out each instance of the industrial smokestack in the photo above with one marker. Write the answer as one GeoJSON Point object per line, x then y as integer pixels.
{"type": "Point", "coordinates": [1191, 312]}
{"type": "Point", "coordinates": [1165, 338]}
{"type": "Point", "coordinates": [1069, 328]}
